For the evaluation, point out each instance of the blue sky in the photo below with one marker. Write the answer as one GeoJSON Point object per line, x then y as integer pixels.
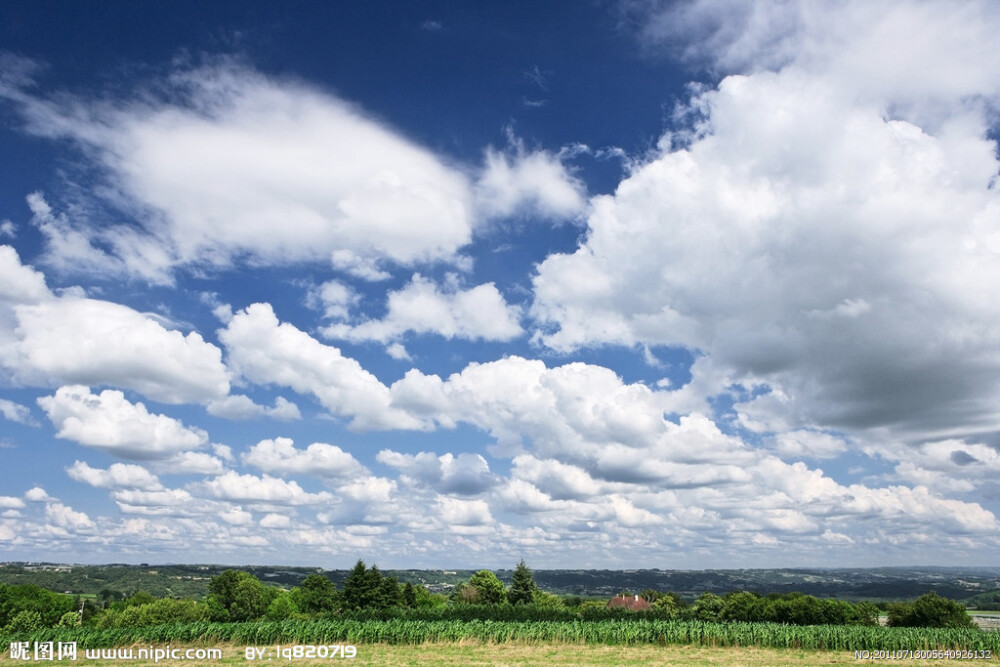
{"type": "Point", "coordinates": [613, 285]}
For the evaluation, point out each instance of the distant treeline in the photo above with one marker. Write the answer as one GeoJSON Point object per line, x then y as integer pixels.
{"type": "Point", "coordinates": [369, 594]}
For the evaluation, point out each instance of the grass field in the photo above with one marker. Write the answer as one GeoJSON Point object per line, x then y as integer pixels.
{"type": "Point", "coordinates": [460, 654]}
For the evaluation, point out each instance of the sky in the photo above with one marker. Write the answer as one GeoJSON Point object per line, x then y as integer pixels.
{"type": "Point", "coordinates": [636, 284]}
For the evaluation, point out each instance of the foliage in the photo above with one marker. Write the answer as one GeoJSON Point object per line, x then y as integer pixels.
{"type": "Point", "coordinates": [367, 588]}
{"type": "Point", "coordinates": [238, 596]}
{"type": "Point", "coordinates": [708, 607]}
{"type": "Point", "coordinates": [929, 611]}
{"type": "Point", "coordinates": [24, 621]}
{"type": "Point", "coordinates": [157, 612]}
{"type": "Point", "coordinates": [282, 607]}
{"type": "Point", "coordinates": [489, 589]}
{"type": "Point", "coordinates": [317, 595]}
{"type": "Point", "coordinates": [47, 605]}
{"type": "Point", "coordinates": [522, 586]}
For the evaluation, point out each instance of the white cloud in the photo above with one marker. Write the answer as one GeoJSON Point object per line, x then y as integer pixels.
{"type": "Point", "coordinates": [20, 283]}
{"type": "Point", "coordinates": [189, 463]}
{"type": "Point", "coordinates": [465, 474]}
{"type": "Point", "coordinates": [280, 456]}
{"type": "Point", "coordinates": [37, 494]}
{"type": "Point", "coordinates": [8, 229]}
{"type": "Point", "coordinates": [10, 502]}
{"type": "Point", "coordinates": [824, 230]}
{"type": "Point", "coordinates": [457, 512]}
{"type": "Point", "coordinates": [398, 351]}
{"type": "Point", "coordinates": [108, 421]}
{"type": "Point", "coordinates": [117, 476]}
{"type": "Point", "coordinates": [268, 352]}
{"type": "Point", "coordinates": [238, 406]}
{"type": "Point", "coordinates": [15, 412]}
{"type": "Point", "coordinates": [266, 489]}
{"type": "Point", "coordinates": [422, 307]}
{"type": "Point", "coordinates": [66, 517]}
{"type": "Point", "coordinates": [230, 162]}
{"type": "Point", "coordinates": [521, 182]}
{"type": "Point", "coordinates": [333, 298]}
{"type": "Point", "coordinates": [70, 248]}
{"type": "Point", "coordinates": [275, 521]}
{"type": "Point", "coordinates": [85, 341]}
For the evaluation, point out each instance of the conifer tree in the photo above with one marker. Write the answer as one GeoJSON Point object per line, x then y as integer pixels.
{"type": "Point", "coordinates": [522, 586]}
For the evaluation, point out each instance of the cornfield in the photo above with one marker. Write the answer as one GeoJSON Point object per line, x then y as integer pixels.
{"type": "Point", "coordinates": [619, 631]}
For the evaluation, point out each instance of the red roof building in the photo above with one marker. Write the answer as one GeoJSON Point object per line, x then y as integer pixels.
{"type": "Point", "coordinates": [635, 603]}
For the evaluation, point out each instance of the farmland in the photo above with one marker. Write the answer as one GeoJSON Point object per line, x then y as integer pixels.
{"type": "Point", "coordinates": [548, 654]}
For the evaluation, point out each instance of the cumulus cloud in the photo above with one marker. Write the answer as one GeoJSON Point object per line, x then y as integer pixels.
{"type": "Point", "coordinates": [108, 421]}
{"type": "Point", "coordinates": [15, 412]}
{"type": "Point", "coordinates": [465, 474]}
{"type": "Point", "coordinates": [333, 298]}
{"type": "Point", "coordinates": [818, 231]}
{"type": "Point", "coordinates": [266, 351]}
{"type": "Point", "coordinates": [238, 406]}
{"type": "Point", "coordinates": [518, 181]}
{"type": "Point", "coordinates": [478, 313]}
{"type": "Point", "coordinates": [117, 476]}
{"type": "Point", "coordinates": [280, 456]}
{"type": "Point", "coordinates": [283, 173]}
{"type": "Point", "coordinates": [20, 284]}
{"type": "Point", "coordinates": [66, 517]}
{"type": "Point", "coordinates": [266, 489]}
{"type": "Point", "coordinates": [86, 341]}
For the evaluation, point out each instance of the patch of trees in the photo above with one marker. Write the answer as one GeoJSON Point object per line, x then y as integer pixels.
{"type": "Point", "coordinates": [25, 608]}
{"type": "Point", "coordinates": [788, 608]}
{"type": "Point", "coordinates": [929, 611]}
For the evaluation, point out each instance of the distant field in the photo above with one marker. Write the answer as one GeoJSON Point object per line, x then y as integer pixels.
{"type": "Point", "coordinates": [460, 654]}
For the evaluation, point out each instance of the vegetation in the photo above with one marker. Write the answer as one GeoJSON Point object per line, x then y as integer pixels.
{"type": "Point", "coordinates": [929, 611]}
{"type": "Point", "coordinates": [632, 631]}
{"type": "Point", "coordinates": [375, 607]}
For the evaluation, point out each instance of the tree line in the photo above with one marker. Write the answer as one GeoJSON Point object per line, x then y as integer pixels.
{"type": "Point", "coordinates": [235, 596]}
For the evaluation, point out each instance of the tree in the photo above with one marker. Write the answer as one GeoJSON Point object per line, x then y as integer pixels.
{"type": "Point", "coordinates": [238, 596]}
{"type": "Point", "coordinates": [929, 611]}
{"type": "Point", "coordinates": [522, 586]}
{"type": "Point", "coordinates": [318, 595]}
{"type": "Point", "coordinates": [356, 590]}
{"type": "Point", "coordinates": [409, 596]}
{"type": "Point", "coordinates": [650, 595]}
{"type": "Point", "coordinates": [282, 607]}
{"type": "Point", "coordinates": [708, 607]}
{"type": "Point", "coordinates": [489, 589]}
{"type": "Point", "coordinates": [367, 588]}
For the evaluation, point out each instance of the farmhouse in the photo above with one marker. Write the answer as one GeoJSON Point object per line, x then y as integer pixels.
{"type": "Point", "coordinates": [635, 603]}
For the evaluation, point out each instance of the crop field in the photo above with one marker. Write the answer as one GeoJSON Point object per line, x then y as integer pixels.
{"type": "Point", "coordinates": [521, 654]}
{"type": "Point", "coordinates": [617, 632]}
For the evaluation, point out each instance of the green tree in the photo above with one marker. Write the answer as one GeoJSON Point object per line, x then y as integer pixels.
{"type": "Point", "coordinates": [489, 589]}
{"type": "Point", "coordinates": [282, 607]}
{"type": "Point", "coordinates": [388, 594]}
{"type": "Point", "coordinates": [930, 611]}
{"type": "Point", "coordinates": [522, 586]}
{"type": "Point", "coordinates": [367, 588]}
{"type": "Point", "coordinates": [238, 596]}
{"type": "Point", "coordinates": [650, 595]}
{"type": "Point", "coordinates": [318, 595]}
{"type": "Point", "coordinates": [24, 622]}
{"type": "Point", "coordinates": [742, 606]}
{"type": "Point", "coordinates": [356, 587]}
{"type": "Point", "coordinates": [409, 596]}
{"type": "Point", "coordinates": [708, 607]}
